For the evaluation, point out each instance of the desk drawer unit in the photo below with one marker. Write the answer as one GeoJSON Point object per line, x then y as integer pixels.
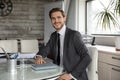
{"type": "Point", "coordinates": [110, 59]}
{"type": "Point", "coordinates": [115, 60]}
{"type": "Point", "coordinates": [108, 66]}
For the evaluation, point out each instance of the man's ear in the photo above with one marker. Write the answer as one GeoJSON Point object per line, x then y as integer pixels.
{"type": "Point", "coordinates": [65, 18]}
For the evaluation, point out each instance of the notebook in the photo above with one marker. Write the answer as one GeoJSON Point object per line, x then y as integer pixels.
{"type": "Point", "coordinates": [46, 66]}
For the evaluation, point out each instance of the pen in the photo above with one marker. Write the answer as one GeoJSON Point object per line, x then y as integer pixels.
{"type": "Point", "coordinates": [16, 56]}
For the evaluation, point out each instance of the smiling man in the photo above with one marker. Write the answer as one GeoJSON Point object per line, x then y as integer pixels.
{"type": "Point", "coordinates": [73, 54]}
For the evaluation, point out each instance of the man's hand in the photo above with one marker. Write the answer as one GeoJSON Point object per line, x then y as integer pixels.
{"type": "Point", "coordinates": [65, 76]}
{"type": "Point", "coordinates": [39, 60]}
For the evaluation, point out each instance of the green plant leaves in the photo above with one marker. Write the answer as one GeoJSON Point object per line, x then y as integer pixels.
{"type": "Point", "coordinates": [117, 7]}
{"type": "Point", "coordinates": [106, 18]}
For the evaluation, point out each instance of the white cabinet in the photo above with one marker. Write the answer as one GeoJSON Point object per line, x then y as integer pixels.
{"type": "Point", "coordinates": [115, 73]}
{"type": "Point", "coordinates": [108, 65]}
{"type": "Point", "coordinates": [103, 71]}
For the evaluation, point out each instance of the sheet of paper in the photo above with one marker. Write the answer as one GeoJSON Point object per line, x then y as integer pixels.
{"type": "Point", "coordinates": [27, 55]}
{"type": "Point", "coordinates": [2, 55]}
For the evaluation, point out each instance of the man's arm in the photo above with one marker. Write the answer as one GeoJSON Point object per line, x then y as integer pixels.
{"type": "Point", "coordinates": [43, 53]}
{"type": "Point", "coordinates": [46, 49]}
{"type": "Point", "coordinates": [83, 52]}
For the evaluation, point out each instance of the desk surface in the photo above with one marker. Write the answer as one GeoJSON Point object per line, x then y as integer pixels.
{"type": "Point", "coordinates": [107, 49]}
{"type": "Point", "coordinates": [26, 73]}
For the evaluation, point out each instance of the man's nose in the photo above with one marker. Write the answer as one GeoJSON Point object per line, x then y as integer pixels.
{"type": "Point", "coordinates": [56, 20]}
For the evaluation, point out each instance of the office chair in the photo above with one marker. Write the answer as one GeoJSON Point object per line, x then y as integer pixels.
{"type": "Point", "coordinates": [9, 46]}
{"type": "Point", "coordinates": [29, 46]}
{"type": "Point", "coordinates": [92, 70]}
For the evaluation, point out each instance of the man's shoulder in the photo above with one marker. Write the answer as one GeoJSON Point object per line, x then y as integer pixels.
{"type": "Point", "coordinates": [53, 33]}
{"type": "Point", "coordinates": [71, 31]}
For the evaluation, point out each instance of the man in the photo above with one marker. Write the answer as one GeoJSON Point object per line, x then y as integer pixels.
{"type": "Point", "coordinates": [74, 56]}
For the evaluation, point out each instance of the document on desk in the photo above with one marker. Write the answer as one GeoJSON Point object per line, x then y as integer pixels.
{"type": "Point", "coordinates": [46, 66]}
{"type": "Point", "coordinates": [27, 55]}
{"type": "Point", "coordinates": [2, 55]}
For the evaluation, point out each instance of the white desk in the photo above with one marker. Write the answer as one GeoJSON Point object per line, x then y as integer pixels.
{"type": "Point", "coordinates": [26, 73]}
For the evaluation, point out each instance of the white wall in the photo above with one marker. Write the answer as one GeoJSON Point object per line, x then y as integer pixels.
{"type": "Point", "coordinates": [76, 15]}
{"type": "Point", "coordinates": [48, 28]}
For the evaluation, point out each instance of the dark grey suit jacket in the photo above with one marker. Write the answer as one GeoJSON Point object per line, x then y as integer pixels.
{"type": "Point", "coordinates": [75, 53]}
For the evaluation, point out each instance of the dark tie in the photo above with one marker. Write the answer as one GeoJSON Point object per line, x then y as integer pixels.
{"type": "Point", "coordinates": [58, 43]}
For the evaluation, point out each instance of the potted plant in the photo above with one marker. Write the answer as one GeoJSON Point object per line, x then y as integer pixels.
{"type": "Point", "coordinates": [107, 17]}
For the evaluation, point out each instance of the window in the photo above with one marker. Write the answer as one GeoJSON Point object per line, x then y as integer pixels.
{"type": "Point", "coordinates": [93, 7]}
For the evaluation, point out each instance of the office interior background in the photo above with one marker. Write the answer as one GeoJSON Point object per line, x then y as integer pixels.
{"type": "Point", "coordinates": [29, 20]}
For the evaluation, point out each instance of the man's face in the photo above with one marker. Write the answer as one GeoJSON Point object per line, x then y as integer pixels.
{"type": "Point", "coordinates": [57, 20]}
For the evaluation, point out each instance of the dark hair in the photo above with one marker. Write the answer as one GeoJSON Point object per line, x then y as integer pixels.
{"type": "Point", "coordinates": [56, 10]}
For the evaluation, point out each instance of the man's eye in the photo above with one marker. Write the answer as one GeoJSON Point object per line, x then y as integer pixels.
{"type": "Point", "coordinates": [52, 18]}
{"type": "Point", "coordinates": [58, 17]}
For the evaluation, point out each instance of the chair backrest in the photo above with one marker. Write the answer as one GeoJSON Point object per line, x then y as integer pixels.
{"type": "Point", "coordinates": [29, 46]}
{"type": "Point", "coordinates": [10, 46]}
{"type": "Point", "coordinates": [92, 70]}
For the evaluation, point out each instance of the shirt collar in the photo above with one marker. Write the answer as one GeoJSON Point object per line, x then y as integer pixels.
{"type": "Point", "coordinates": [62, 31]}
